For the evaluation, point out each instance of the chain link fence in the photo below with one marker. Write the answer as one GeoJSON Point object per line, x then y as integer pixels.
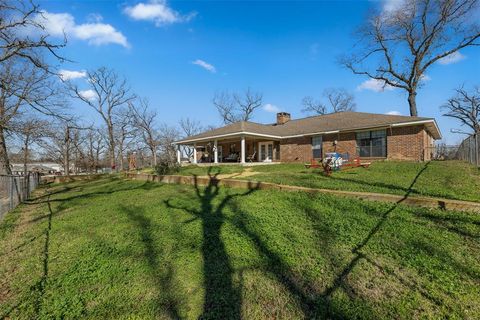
{"type": "Point", "coordinates": [16, 189]}
{"type": "Point", "coordinates": [469, 150]}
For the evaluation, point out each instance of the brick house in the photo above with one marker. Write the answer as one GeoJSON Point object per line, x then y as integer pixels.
{"type": "Point", "coordinates": [367, 135]}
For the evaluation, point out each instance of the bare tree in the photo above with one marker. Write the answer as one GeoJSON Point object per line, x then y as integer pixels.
{"type": "Point", "coordinates": [60, 143]}
{"type": "Point", "coordinates": [237, 107]}
{"type": "Point", "coordinates": [398, 46]}
{"type": "Point", "coordinates": [310, 105]}
{"type": "Point", "coordinates": [145, 121]}
{"type": "Point", "coordinates": [167, 136]}
{"type": "Point", "coordinates": [107, 94]}
{"type": "Point", "coordinates": [465, 107]}
{"type": "Point", "coordinates": [24, 89]}
{"type": "Point", "coordinates": [30, 130]}
{"type": "Point", "coordinates": [22, 34]}
{"type": "Point", "coordinates": [189, 127]}
{"type": "Point", "coordinates": [125, 132]}
{"type": "Point", "coordinates": [339, 100]}
{"type": "Point", "coordinates": [95, 146]}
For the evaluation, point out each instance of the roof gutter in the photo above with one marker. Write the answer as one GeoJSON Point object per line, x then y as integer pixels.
{"type": "Point", "coordinates": [420, 122]}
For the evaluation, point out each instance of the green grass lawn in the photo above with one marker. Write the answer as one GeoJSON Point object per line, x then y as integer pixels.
{"type": "Point", "coordinates": [112, 248]}
{"type": "Point", "coordinates": [446, 179]}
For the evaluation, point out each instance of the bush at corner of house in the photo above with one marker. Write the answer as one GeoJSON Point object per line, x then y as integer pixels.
{"type": "Point", "coordinates": [166, 167]}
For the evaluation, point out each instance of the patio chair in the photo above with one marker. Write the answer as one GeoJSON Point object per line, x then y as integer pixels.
{"type": "Point", "coordinates": [232, 157]}
{"type": "Point", "coordinates": [251, 157]}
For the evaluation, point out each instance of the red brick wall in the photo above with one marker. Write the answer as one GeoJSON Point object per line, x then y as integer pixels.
{"type": "Point", "coordinates": [296, 149]}
{"type": "Point", "coordinates": [406, 143]}
{"type": "Point", "coordinates": [346, 143]}
{"type": "Point", "coordinates": [403, 143]}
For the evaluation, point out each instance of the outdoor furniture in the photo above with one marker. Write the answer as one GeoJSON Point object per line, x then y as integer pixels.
{"type": "Point", "coordinates": [251, 157]}
{"type": "Point", "coordinates": [314, 163]}
{"type": "Point", "coordinates": [233, 157]}
{"type": "Point", "coordinates": [356, 163]}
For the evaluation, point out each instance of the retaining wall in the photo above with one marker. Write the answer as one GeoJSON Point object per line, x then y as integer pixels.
{"type": "Point", "coordinates": [417, 201]}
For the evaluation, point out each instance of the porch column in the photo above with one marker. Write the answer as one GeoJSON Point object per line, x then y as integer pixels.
{"type": "Point", "coordinates": [242, 148]}
{"type": "Point", "coordinates": [194, 153]}
{"type": "Point", "coordinates": [179, 155]}
{"type": "Point", "coordinates": [215, 151]}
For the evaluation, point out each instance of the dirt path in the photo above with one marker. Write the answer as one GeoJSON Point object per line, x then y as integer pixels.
{"type": "Point", "coordinates": [247, 172]}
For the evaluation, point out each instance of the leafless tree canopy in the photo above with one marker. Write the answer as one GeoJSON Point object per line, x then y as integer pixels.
{"type": "Point", "coordinates": [108, 93]}
{"type": "Point", "coordinates": [145, 121]}
{"type": "Point", "coordinates": [234, 107]}
{"type": "Point", "coordinates": [465, 107]}
{"type": "Point", "coordinates": [24, 89]}
{"type": "Point", "coordinates": [338, 100]}
{"type": "Point", "coordinates": [167, 136]}
{"type": "Point", "coordinates": [30, 130]}
{"type": "Point", "coordinates": [310, 105]}
{"type": "Point", "coordinates": [190, 127]}
{"type": "Point", "coordinates": [397, 47]}
{"type": "Point", "coordinates": [22, 34]}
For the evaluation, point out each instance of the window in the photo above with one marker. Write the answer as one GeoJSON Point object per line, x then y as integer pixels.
{"type": "Point", "coordinates": [317, 146]}
{"type": "Point", "coordinates": [372, 143]}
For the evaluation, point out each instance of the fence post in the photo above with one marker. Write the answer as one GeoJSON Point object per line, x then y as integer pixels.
{"type": "Point", "coordinates": [477, 155]}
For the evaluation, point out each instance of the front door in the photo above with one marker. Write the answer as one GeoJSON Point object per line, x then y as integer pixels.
{"type": "Point", "coordinates": [266, 151]}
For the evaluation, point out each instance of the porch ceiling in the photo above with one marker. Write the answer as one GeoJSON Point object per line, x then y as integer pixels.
{"type": "Point", "coordinates": [231, 139]}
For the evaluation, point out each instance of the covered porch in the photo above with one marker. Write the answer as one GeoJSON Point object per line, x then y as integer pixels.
{"type": "Point", "coordinates": [243, 149]}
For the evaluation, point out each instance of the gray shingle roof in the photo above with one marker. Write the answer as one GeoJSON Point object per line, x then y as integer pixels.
{"type": "Point", "coordinates": [340, 121]}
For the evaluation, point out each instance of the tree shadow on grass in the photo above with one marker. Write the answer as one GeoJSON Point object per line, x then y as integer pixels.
{"type": "Point", "coordinates": [222, 298]}
{"type": "Point", "coordinates": [39, 287]}
{"type": "Point", "coordinates": [65, 201]}
{"type": "Point", "coordinates": [341, 279]}
{"type": "Point", "coordinates": [163, 278]}
{"type": "Point", "coordinates": [453, 224]}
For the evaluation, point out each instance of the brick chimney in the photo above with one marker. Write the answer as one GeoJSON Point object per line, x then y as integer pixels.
{"type": "Point", "coordinates": [283, 117]}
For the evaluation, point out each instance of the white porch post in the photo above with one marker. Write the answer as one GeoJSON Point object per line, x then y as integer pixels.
{"type": "Point", "coordinates": [242, 148]}
{"type": "Point", "coordinates": [215, 151]}
{"type": "Point", "coordinates": [179, 155]}
{"type": "Point", "coordinates": [194, 153]}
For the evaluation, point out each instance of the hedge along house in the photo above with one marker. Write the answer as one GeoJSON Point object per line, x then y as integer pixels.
{"type": "Point", "coordinates": [367, 135]}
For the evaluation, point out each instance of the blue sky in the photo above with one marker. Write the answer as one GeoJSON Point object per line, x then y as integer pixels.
{"type": "Point", "coordinates": [179, 53]}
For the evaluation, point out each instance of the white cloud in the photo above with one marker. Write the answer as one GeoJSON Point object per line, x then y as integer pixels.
{"type": "Point", "coordinates": [271, 108]}
{"type": "Point", "coordinates": [158, 12]}
{"type": "Point", "coordinates": [71, 74]}
{"type": "Point", "coordinates": [390, 6]}
{"type": "Point", "coordinates": [394, 113]}
{"type": "Point", "coordinates": [452, 58]}
{"type": "Point", "coordinates": [425, 77]}
{"type": "Point", "coordinates": [88, 94]}
{"type": "Point", "coordinates": [205, 65]}
{"type": "Point", "coordinates": [375, 85]}
{"type": "Point", "coordinates": [95, 33]}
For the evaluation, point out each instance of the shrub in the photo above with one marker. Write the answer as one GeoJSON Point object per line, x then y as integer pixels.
{"type": "Point", "coordinates": [167, 166]}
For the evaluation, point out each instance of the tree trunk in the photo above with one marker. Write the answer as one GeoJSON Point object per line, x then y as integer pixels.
{"type": "Point", "coordinates": [111, 147]}
{"type": "Point", "coordinates": [25, 158]}
{"type": "Point", "coordinates": [111, 155]}
{"type": "Point", "coordinates": [120, 159]}
{"type": "Point", "coordinates": [66, 161]}
{"type": "Point", "coordinates": [412, 102]}
{"type": "Point", "coordinates": [4, 161]}
{"type": "Point", "coordinates": [66, 153]}
{"type": "Point", "coordinates": [154, 157]}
